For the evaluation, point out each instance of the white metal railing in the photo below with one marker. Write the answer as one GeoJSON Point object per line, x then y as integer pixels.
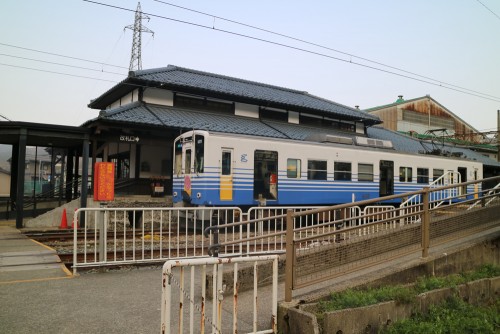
{"type": "Point", "coordinates": [411, 206]}
{"type": "Point", "coordinates": [374, 213]}
{"type": "Point", "coordinates": [118, 236]}
{"type": "Point", "coordinates": [489, 196]}
{"type": "Point", "coordinates": [185, 304]}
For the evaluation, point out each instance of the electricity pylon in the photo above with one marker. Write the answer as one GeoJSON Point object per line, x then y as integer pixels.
{"type": "Point", "coordinates": [138, 29]}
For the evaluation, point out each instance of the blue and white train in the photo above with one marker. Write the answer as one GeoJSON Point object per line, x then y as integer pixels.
{"type": "Point", "coordinates": [221, 169]}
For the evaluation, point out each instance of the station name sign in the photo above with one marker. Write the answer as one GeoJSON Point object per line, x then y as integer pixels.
{"type": "Point", "coordinates": [133, 139]}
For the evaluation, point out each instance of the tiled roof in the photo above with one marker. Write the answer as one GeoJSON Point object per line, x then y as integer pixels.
{"type": "Point", "coordinates": [235, 89]}
{"type": "Point", "coordinates": [301, 132]}
{"type": "Point", "coordinates": [152, 115]}
{"type": "Point", "coordinates": [170, 117]}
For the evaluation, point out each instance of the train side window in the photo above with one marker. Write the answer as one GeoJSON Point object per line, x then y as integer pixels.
{"type": "Point", "coordinates": [187, 162]}
{"type": "Point", "coordinates": [422, 175]}
{"type": "Point", "coordinates": [437, 173]}
{"type": "Point", "coordinates": [226, 163]}
{"type": "Point", "coordinates": [342, 171]}
{"type": "Point", "coordinates": [365, 172]}
{"type": "Point", "coordinates": [405, 174]}
{"type": "Point", "coordinates": [293, 168]}
{"type": "Point", "coordinates": [316, 170]}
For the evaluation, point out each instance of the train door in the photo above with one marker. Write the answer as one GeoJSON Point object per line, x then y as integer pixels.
{"type": "Point", "coordinates": [187, 164]}
{"type": "Point", "coordinates": [265, 175]}
{"type": "Point", "coordinates": [386, 178]}
{"type": "Point", "coordinates": [226, 175]}
{"type": "Point", "coordinates": [463, 178]}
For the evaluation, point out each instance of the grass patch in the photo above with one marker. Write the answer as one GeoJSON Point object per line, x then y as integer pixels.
{"type": "Point", "coordinates": [452, 316]}
{"type": "Point", "coordinates": [351, 298]}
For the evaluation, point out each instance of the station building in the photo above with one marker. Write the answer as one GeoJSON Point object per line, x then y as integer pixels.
{"type": "Point", "coordinates": [141, 116]}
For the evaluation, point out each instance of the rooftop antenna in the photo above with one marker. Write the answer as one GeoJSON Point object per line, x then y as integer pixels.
{"type": "Point", "coordinates": [138, 29]}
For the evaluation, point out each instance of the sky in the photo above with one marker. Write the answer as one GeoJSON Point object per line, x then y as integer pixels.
{"type": "Point", "coordinates": [447, 43]}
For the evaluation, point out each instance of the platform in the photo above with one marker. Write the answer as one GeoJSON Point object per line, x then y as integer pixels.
{"type": "Point", "coordinates": [23, 259]}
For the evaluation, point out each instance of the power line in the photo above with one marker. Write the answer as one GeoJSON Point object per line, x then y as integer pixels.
{"type": "Point", "coordinates": [492, 12]}
{"type": "Point", "coordinates": [438, 83]}
{"type": "Point", "coordinates": [54, 72]}
{"type": "Point", "coordinates": [60, 55]}
{"type": "Point", "coordinates": [5, 118]}
{"type": "Point", "coordinates": [59, 64]}
{"type": "Point", "coordinates": [321, 46]}
{"type": "Point", "coordinates": [75, 75]}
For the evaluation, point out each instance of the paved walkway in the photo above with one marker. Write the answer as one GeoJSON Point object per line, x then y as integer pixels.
{"type": "Point", "coordinates": [40, 298]}
{"type": "Point", "coordinates": [23, 259]}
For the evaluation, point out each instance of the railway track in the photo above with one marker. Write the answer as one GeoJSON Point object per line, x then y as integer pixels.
{"type": "Point", "coordinates": [67, 236]}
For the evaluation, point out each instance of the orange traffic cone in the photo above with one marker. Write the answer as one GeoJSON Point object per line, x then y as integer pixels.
{"type": "Point", "coordinates": [74, 224]}
{"type": "Point", "coordinates": [64, 220]}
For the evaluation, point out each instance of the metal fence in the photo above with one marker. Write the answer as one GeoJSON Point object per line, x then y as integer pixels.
{"type": "Point", "coordinates": [119, 236]}
{"type": "Point", "coordinates": [428, 219]}
{"type": "Point", "coordinates": [195, 310]}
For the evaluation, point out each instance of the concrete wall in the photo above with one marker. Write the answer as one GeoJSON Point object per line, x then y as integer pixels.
{"type": "Point", "coordinates": [370, 318]}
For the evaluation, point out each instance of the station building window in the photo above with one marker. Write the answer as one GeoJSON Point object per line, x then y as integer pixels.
{"type": "Point", "coordinates": [342, 171]}
{"type": "Point", "coordinates": [200, 103]}
{"type": "Point", "coordinates": [277, 115]}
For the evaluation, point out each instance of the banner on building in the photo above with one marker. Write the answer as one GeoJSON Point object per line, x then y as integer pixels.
{"type": "Point", "coordinates": [104, 181]}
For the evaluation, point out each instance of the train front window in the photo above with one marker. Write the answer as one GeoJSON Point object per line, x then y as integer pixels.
{"type": "Point", "coordinates": [199, 153]}
{"type": "Point", "coordinates": [178, 158]}
{"type": "Point", "coordinates": [187, 162]}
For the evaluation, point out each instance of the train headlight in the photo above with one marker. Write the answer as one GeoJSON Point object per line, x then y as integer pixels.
{"type": "Point", "coordinates": [175, 194]}
{"type": "Point", "coordinates": [198, 195]}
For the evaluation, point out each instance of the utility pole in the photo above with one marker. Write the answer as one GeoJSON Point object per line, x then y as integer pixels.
{"type": "Point", "coordinates": [138, 29]}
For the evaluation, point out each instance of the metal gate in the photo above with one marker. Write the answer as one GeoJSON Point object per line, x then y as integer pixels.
{"type": "Point", "coordinates": [204, 303]}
